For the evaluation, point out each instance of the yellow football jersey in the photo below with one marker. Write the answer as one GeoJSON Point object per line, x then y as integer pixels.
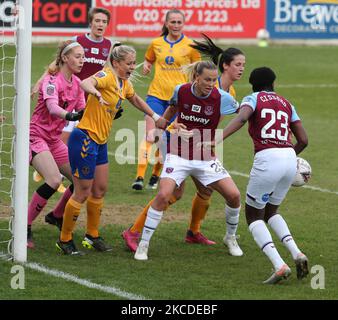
{"type": "Point", "coordinates": [98, 119]}
{"type": "Point", "coordinates": [231, 90]}
{"type": "Point", "coordinates": [168, 59]}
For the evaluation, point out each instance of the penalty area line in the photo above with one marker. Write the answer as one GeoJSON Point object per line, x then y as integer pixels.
{"type": "Point", "coordinates": [83, 282]}
{"type": "Point", "coordinates": [232, 172]}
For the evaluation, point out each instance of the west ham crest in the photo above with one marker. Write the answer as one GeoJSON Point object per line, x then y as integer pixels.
{"type": "Point", "coordinates": [169, 170]}
{"type": "Point", "coordinates": [209, 110]}
{"type": "Point", "coordinates": [105, 52]}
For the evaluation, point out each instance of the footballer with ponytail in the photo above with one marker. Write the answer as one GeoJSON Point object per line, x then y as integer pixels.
{"type": "Point", "coordinates": [231, 62]}
{"type": "Point", "coordinates": [88, 152]}
{"type": "Point", "coordinates": [59, 95]}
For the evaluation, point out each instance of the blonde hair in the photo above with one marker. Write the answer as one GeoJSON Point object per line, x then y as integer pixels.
{"type": "Point", "coordinates": [194, 69]}
{"type": "Point", "coordinates": [118, 52]}
{"type": "Point", "coordinates": [55, 66]}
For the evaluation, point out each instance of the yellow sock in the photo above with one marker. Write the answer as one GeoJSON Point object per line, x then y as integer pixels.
{"type": "Point", "coordinates": [94, 206]}
{"type": "Point", "coordinates": [141, 218]}
{"type": "Point", "coordinates": [72, 211]}
{"type": "Point", "coordinates": [143, 158]}
{"type": "Point", "coordinates": [158, 165]}
{"type": "Point", "coordinates": [198, 211]}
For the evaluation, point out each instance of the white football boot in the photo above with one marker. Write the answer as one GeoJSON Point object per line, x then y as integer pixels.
{"type": "Point", "coordinates": [142, 251]}
{"type": "Point", "coordinates": [231, 242]}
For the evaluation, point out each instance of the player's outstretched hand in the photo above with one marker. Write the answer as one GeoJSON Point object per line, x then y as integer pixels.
{"type": "Point", "coordinates": [146, 67]}
{"type": "Point", "coordinates": [101, 100]}
{"type": "Point", "coordinates": [74, 116]}
{"type": "Point", "coordinates": [185, 134]}
{"type": "Point", "coordinates": [206, 145]}
{"type": "Point", "coordinates": [161, 123]}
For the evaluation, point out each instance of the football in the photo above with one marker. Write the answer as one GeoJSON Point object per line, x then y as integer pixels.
{"type": "Point", "coordinates": [303, 173]}
{"type": "Point", "coordinates": [263, 34]}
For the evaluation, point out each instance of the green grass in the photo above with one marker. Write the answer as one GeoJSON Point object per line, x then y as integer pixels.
{"type": "Point", "coordinates": [177, 270]}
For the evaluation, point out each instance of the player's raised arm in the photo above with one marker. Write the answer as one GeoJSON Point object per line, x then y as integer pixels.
{"type": "Point", "coordinates": [89, 86]}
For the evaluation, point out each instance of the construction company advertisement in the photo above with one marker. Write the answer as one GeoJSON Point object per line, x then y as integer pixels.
{"type": "Point", "coordinates": [220, 19]}
{"type": "Point", "coordinates": [145, 18]}
{"type": "Point", "coordinates": [302, 19]}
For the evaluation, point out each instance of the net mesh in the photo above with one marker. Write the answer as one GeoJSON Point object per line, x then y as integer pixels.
{"type": "Point", "coordinates": [8, 58]}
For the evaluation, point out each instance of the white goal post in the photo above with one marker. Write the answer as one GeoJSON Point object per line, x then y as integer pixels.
{"type": "Point", "coordinates": [22, 118]}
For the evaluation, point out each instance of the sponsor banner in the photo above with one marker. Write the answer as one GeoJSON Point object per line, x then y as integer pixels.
{"type": "Point", "coordinates": [217, 18]}
{"type": "Point", "coordinates": [7, 8]}
{"type": "Point", "coordinates": [302, 19]}
{"type": "Point", "coordinates": [51, 17]}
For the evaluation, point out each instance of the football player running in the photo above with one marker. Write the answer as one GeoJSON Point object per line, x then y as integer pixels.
{"type": "Point", "coordinates": [271, 119]}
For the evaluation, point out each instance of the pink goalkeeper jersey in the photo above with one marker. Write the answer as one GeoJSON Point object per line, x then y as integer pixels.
{"type": "Point", "coordinates": [67, 95]}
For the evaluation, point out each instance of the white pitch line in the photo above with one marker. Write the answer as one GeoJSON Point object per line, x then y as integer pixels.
{"type": "Point", "coordinates": [235, 173]}
{"type": "Point", "coordinates": [321, 189]}
{"type": "Point", "coordinates": [83, 282]}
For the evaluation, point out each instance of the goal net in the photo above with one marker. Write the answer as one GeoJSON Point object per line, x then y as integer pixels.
{"type": "Point", "coordinates": [15, 66]}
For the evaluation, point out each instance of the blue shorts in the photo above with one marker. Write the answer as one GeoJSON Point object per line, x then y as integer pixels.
{"type": "Point", "coordinates": [159, 106]}
{"type": "Point", "coordinates": [85, 154]}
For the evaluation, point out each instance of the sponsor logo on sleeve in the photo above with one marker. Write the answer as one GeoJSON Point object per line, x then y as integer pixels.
{"type": "Point", "coordinates": [100, 74]}
{"type": "Point", "coordinates": [50, 89]}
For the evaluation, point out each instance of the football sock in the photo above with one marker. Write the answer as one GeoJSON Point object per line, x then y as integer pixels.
{"type": "Point", "coordinates": [60, 206]}
{"type": "Point", "coordinates": [94, 207]}
{"type": "Point", "coordinates": [72, 212]}
{"type": "Point", "coordinates": [143, 158]}
{"type": "Point", "coordinates": [263, 238]}
{"type": "Point", "coordinates": [39, 201]}
{"type": "Point", "coordinates": [141, 218]}
{"type": "Point", "coordinates": [199, 209]}
{"type": "Point", "coordinates": [232, 219]}
{"type": "Point", "coordinates": [158, 165]}
{"type": "Point", "coordinates": [279, 226]}
{"type": "Point", "coordinates": [153, 219]}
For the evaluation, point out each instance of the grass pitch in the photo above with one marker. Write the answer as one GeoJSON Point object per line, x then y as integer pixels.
{"type": "Point", "coordinates": [176, 270]}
